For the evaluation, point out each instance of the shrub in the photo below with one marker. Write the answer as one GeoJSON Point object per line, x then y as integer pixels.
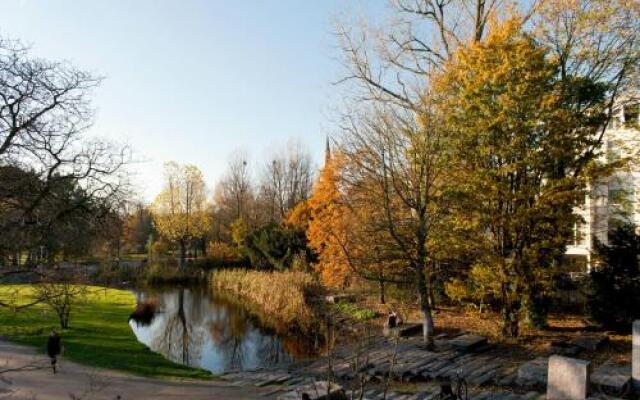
{"type": "Point", "coordinates": [170, 272]}
{"type": "Point", "coordinates": [481, 287]}
{"type": "Point", "coordinates": [110, 273]}
{"type": "Point", "coordinates": [222, 252]}
{"type": "Point", "coordinates": [613, 298]}
{"type": "Point", "coordinates": [145, 312]}
{"type": "Point", "coordinates": [358, 313]}
{"type": "Point", "coordinates": [275, 246]}
{"type": "Point", "coordinates": [158, 249]}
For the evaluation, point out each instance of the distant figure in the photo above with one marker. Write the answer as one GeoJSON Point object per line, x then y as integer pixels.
{"type": "Point", "coordinates": [53, 348]}
{"type": "Point", "coordinates": [393, 320]}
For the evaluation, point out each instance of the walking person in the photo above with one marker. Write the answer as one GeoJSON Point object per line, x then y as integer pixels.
{"type": "Point", "coordinates": [53, 348]}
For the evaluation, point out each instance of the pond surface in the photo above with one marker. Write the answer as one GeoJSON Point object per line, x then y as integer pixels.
{"type": "Point", "coordinates": [195, 327]}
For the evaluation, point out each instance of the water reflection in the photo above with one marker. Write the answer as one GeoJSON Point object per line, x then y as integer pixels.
{"type": "Point", "coordinates": [199, 329]}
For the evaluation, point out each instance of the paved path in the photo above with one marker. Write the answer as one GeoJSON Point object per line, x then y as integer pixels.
{"type": "Point", "coordinates": [39, 383]}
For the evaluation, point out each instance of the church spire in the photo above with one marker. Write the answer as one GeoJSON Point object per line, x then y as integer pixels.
{"type": "Point", "coordinates": [327, 152]}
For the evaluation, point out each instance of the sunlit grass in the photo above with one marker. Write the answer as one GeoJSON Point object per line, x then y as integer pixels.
{"type": "Point", "coordinates": [99, 333]}
{"type": "Point", "coordinates": [355, 311]}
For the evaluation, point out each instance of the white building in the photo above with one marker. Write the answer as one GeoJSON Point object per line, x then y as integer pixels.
{"type": "Point", "coordinates": [614, 198]}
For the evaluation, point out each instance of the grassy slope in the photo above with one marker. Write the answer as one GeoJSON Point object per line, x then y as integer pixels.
{"type": "Point", "coordinates": [99, 335]}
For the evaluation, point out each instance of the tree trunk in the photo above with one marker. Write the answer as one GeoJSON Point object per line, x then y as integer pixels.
{"type": "Point", "coordinates": [510, 312]}
{"type": "Point", "coordinates": [183, 252]}
{"type": "Point", "coordinates": [428, 325]}
{"type": "Point", "coordinates": [381, 285]}
{"type": "Point", "coordinates": [203, 248]}
{"type": "Point", "coordinates": [185, 328]}
{"type": "Point", "coordinates": [432, 299]}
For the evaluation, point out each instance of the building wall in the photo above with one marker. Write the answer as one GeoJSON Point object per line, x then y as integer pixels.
{"type": "Point", "coordinates": [617, 197]}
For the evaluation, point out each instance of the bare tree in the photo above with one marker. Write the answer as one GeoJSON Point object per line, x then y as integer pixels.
{"type": "Point", "coordinates": [392, 62]}
{"type": "Point", "coordinates": [397, 168]}
{"type": "Point", "coordinates": [61, 291]}
{"type": "Point", "coordinates": [45, 111]}
{"type": "Point", "coordinates": [597, 45]}
{"type": "Point", "coordinates": [286, 180]}
{"type": "Point", "coordinates": [237, 190]}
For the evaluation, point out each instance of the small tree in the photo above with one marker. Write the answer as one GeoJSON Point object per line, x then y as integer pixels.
{"type": "Point", "coordinates": [275, 246]}
{"type": "Point", "coordinates": [61, 294]}
{"type": "Point", "coordinates": [613, 298]}
{"type": "Point", "coordinates": [180, 211]}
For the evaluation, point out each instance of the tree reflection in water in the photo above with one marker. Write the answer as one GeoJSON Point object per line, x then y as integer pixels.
{"type": "Point", "coordinates": [196, 328]}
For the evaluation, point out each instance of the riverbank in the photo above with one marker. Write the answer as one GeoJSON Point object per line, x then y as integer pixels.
{"type": "Point", "coordinates": [37, 382]}
{"type": "Point", "coordinates": [99, 334]}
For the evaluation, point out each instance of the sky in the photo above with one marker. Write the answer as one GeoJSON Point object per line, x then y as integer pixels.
{"type": "Point", "coordinates": [194, 81]}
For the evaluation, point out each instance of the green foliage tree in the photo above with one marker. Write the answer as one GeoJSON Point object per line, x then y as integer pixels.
{"type": "Point", "coordinates": [613, 297]}
{"type": "Point", "coordinates": [480, 287]}
{"type": "Point", "coordinates": [517, 142]}
{"type": "Point", "coordinates": [275, 246]}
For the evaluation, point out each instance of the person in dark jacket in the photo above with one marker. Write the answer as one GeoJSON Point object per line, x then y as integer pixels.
{"type": "Point", "coordinates": [53, 348]}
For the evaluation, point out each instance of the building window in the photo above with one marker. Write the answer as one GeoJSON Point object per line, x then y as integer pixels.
{"type": "Point", "coordinates": [617, 197]}
{"type": "Point", "coordinates": [631, 114]}
{"type": "Point", "coordinates": [613, 151]}
{"type": "Point", "coordinates": [577, 233]}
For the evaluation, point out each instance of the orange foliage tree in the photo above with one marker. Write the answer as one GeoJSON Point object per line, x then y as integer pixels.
{"type": "Point", "coordinates": [328, 222]}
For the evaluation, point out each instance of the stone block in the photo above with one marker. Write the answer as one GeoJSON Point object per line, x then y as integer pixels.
{"type": "Point", "coordinates": [611, 377]}
{"type": "Point", "coordinates": [533, 373]}
{"type": "Point", "coordinates": [635, 356]}
{"type": "Point", "coordinates": [589, 342]}
{"type": "Point", "coordinates": [567, 379]}
{"type": "Point", "coordinates": [468, 342]}
{"type": "Point", "coordinates": [404, 330]}
{"type": "Point", "coordinates": [320, 390]}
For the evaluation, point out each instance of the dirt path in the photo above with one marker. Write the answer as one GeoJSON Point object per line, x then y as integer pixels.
{"type": "Point", "coordinates": [75, 381]}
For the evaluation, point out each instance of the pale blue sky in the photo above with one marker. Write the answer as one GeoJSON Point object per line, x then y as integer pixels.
{"type": "Point", "coordinates": [192, 81]}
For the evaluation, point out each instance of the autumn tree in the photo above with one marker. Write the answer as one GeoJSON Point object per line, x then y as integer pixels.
{"type": "Point", "coordinates": [327, 225]}
{"type": "Point", "coordinates": [517, 141]}
{"type": "Point", "coordinates": [180, 211]}
{"type": "Point", "coordinates": [138, 228]}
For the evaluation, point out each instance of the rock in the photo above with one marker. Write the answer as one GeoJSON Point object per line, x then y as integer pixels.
{"type": "Point", "coordinates": [611, 378]}
{"type": "Point", "coordinates": [404, 330]}
{"type": "Point", "coordinates": [320, 390]}
{"type": "Point", "coordinates": [567, 378]}
{"type": "Point", "coordinates": [533, 373]}
{"type": "Point", "coordinates": [564, 348]}
{"type": "Point", "coordinates": [589, 342]}
{"type": "Point", "coordinates": [337, 298]}
{"type": "Point", "coordinates": [468, 342]}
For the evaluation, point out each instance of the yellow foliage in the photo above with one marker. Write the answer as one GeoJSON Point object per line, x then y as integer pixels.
{"type": "Point", "coordinates": [299, 216]}
{"type": "Point", "coordinates": [180, 210]}
{"type": "Point", "coordinates": [223, 252]}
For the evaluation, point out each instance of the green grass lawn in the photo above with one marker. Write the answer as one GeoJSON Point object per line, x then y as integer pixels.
{"type": "Point", "coordinates": [99, 333]}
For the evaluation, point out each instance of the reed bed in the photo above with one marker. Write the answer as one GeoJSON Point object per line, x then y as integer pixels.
{"type": "Point", "coordinates": [281, 295]}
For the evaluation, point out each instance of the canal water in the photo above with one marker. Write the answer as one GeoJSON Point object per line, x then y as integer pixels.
{"type": "Point", "coordinates": [198, 328]}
